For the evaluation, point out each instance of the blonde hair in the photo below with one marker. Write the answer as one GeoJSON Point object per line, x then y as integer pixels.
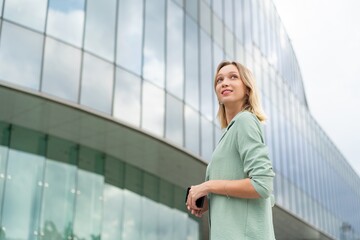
{"type": "Point", "coordinates": [252, 103]}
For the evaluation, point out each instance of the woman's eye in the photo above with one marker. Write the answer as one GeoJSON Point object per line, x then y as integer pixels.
{"type": "Point", "coordinates": [219, 80]}
{"type": "Point", "coordinates": [234, 77]}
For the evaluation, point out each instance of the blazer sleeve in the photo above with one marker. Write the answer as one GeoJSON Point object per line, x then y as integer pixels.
{"type": "Point", "coordinates": [254, 154]}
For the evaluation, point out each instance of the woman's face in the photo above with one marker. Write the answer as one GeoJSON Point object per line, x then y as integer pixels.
{"type": "Point", "coordinates": [230, 89]}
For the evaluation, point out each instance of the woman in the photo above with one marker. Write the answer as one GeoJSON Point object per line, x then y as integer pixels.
{"type": "Point", "coordinates": [239, 177]}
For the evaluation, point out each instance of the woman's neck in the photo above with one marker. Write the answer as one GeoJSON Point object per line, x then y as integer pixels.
{"type": "Point", "coordinates": [232, 111]}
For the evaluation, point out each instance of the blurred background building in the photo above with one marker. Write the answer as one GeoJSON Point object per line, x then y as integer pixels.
{"type": "Point", "coordinates": [107, 114]}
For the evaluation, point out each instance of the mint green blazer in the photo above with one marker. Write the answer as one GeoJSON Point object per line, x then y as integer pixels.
{"type": "Point", "coordinates": [241, 153]}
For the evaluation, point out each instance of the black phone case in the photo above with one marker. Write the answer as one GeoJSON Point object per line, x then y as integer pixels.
{"type": "Point", "coordinates": [199, 202]}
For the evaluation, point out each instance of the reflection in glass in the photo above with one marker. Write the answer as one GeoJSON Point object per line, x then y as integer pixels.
{"type": "Point", "coordinates": [165, 223]}
{"type": "Point", "coordinates": [59, 191]}
{"type": "Point", "coordinates": [174, 120]}
{"type": "Point", "coordinates": [20, 49]}
{"type": "Point", "coordinates": [175, 50]}
{"type": "Point", "coordinates": [130, 34]}
{"type": "Point", "coordinates": [1, 5]}
{"type": "Point", "coordinates": [239, 28]}
{"type": "Point", "coordinates": [132, 216]}
{"type": "Point", "coordinates": [153, 109]}
{"type": "Point", "coordinates": [88, 215]}
{"type": "Point", "coordinates": [191, 63]}
{"type": "Point", "coordinates": [66, 20]}
{"type": "Point", "coordinates": [61, 70]}
{"type": "Point", "coordinates": [206, 75]}
{"type": "Point", "coordinates": [97, 83]}
{"type": "Point", "coordinates": [127, 97]}
{"type": "Point", "coordinates": [28, 13]}
{"type": "Point", "coordinates": [218, 31]}
{"type": "Point", "coordinates": [22, 195]}
{"type": "Point", "coordinates": [206, 139]}
{"type": "Point", "coordinates": [205, 17]}
{"type": "Point", "coordinates": [113, 211]}
{"type": "Point", "coordinates": [192, 133]}
{"type": "Point", "coordinates": [149, 219]}
{"type": "Point", "coordinates": [154, 52]}
{"type": "Point", "coordinates": [3, 160]}
{"type": "Point", "coordinates": [192, 8]}
{"type": "Point", "coordinates": [192, 230]}
{"type": "Point", "coordinates": [100, 28]}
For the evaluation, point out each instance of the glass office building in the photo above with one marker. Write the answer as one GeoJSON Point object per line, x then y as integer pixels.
{"type": "Point", "coordinates": [107, 114]}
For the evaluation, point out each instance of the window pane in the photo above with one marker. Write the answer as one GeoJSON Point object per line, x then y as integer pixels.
{"type": "Point", "coordinates": [88, 213]}
{"type": "Point", "coordinates": [3, 161]}
{"type": "Point", "coordinates": [192, 130]}
{"type": "Point", "coordinates": [206, 139]}
{"type": "Point", "coordinates": [130, 34]}
{"type": "Point", "coordinates": [27, 13]}
{"type": "Point", "coordinates": [191, 63]}
{"type": "Point", "coordinates": [205, 17]}
{"type": "Point", "coordinates": [154, 55]}
{"type": "Point", "coordinates": [175, 50]}
{"type": "Point", "coordinates": [206, 75]}
{"type": "Point", "coordinates": [132, 216]}
{"type": "Point", "coordinates": [113, 213]}
{"type": "Point", "coordinates": [192, 8]}
{"type": "Point", "coordinates": [59, 191]}
{"type": "Point", "coordinates": [127, 97]}
{"type": "Point", "coordinates": [153, 109]}
{"type": "Point", "coordinates": [22, 195]}
{"type": "Point", "coordinates": [174, 120]}
{"type": "Point", "coordinates": [97, 83]}
{"type": "Point", "coordinates": [100, 28]}
{"type": "Point", "coordinates": [20, 49]}
{"type": "Point", "coordinates": [66, 20]}
{"type": "Point", "coordinates": [61, 70]}
{"type": "Point", "coordinates": [1, 5]}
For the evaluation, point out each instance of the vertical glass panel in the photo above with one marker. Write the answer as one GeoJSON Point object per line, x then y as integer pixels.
{"type": "Point", "coordinates": [165, 223]}
{"type": "Point", "coordinates": [100, 28]}
{"type": "Point", "coordinates": [22, 195]}
{"type": "Point", "coordinates": [20, 49]}
{"type": "Point", "coordinates": [97, 83]}
{"type": "Point", "coordinates": [59, 193]}
{"type": "Point", "coordinates": [192, 63]}
{"type": "Point", "coordinates": [179, 225]}
{"type": "Point", "coordinates": [192, 8]}
{"type": "Point", "coordinates": [206, 139]}
{"type": "Point", "coordinates": [174, 120]}
{"type": "Point", "coordinates": [239, 23]}
{"type": "Point", "coordinates": [247, 24]}
{"type": "Point", "coordinates": [192, 229]}
{"type": "Point", "coordinates": [61, 70]}
{"type": "Point", "coordinates": [66, 20]}
{"type": "Point", "coordinates": [154, 52]}
{"type": "Point", "coordinates": [229, 14]}
{"type": "Point", "coordinates": [150, 219]}
{"type": "Point", "coordinates": [113, 213]}
{"type": "Point", "coordinates": [217, 7]}
{"type": "Point", "coordinates": [229, 44]}
{"type": "Point", "coordinates": [218, 31]}
{"type": "Point", "coordinates": [132, 216]}
{"type": "Point", "coordinates": [192, 127]}
{"type": "Point", "coordinates": [130, 34]}
{"type": "Point", "coordinates": [206, 76]}
{"type": "Point", "coordinates": [205, 17]}
{"type": "Point", "coordinates": [27, 13]}
{"type": "Point", "coordinates": [127, 104]}
{"type": "Point", "coordinates": [88, 213]}
{"type": "Point", "coordinates": [175, 50]}
{"type": "Point", "coordinates": [4, 138]}
{"type": "Point", "coordinates": [153, 109]}
{"type": "Point", "coordinates": [1, 5]}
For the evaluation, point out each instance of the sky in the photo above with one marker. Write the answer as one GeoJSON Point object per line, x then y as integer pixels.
{"type": "Point", "coordinates": [325, 35]}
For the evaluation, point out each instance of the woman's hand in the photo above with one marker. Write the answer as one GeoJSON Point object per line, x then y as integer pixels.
{"type": "Point", "coordinates": [195, 193]}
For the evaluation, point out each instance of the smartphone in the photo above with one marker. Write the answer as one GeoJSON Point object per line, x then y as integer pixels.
{"type": "Point", "coordinates": [199, 202]}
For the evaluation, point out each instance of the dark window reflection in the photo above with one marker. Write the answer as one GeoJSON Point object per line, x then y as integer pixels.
{"type": "Point", "coordinates": [100, 28]}
{"type": "Point", "coordinates": [66, 20]}
{"type": "Point", "coordinates": [61, 70]}
{"type": "Point", "coordinates": [20, 49]}
{"type": "Point", "coordinates": [130, 34]}
{"type": "Point", "coordinates": [27, 13]}
{"type": "Point", "coordinates": [97, 83]}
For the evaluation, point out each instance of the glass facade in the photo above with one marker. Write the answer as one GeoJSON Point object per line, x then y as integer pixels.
{"type": "Point", "coordinates": [150, 65]}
